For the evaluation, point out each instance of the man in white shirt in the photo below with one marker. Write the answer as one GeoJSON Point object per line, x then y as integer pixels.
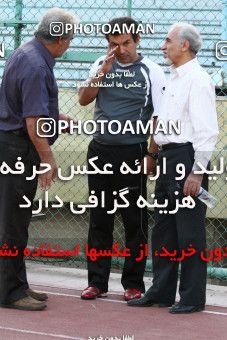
{"type": "Point", "coordinates": [190, 98]}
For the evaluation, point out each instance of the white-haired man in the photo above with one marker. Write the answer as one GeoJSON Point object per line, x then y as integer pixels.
{"type": "Point", "coordinates": [28, 92]}
{"type": "Point", "coordinates": [190, 98]}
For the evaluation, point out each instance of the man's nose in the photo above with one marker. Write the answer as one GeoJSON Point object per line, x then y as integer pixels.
{"type": "Point", "coordinates": [163, 46]}
{"type": "Point", "coordinates": [121, 49]}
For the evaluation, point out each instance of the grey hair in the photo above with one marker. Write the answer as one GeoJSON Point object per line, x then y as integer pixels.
{"type": "Point", "coordinates": [56, 15]}
{"type": "Point", "coordinates": [190, 33]}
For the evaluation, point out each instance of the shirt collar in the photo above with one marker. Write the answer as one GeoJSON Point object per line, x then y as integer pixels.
{"type": "Point", "coordinates": [183, 69]}
{"type": "Point", "coordinates": [135, 62]}
{"type": "Point", "coordinates": [45, 53]}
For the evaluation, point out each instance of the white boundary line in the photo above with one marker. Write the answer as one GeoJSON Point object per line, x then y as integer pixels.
{"type": "Point", "coordinates": [212, 312]}
{"type": "Point", "coordinates": [77, 296]}
{"type": "Point", "coordinates": [116, 301]}
{"type": "Point", "coordinates": [26, 331]}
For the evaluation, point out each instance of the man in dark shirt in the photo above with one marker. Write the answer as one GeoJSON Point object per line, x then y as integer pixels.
{"type": "Point", "coordinates": [127, 88]}
{"type": "Point", "coordinates": [28, 92]}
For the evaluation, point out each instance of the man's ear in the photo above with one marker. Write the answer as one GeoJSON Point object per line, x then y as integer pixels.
{"type": "Point", "coordinates": [137, 41]}
{"type": "Point", "coordinates": [60, 40]}
{"type": "Point", "coordinates": [185, 46]}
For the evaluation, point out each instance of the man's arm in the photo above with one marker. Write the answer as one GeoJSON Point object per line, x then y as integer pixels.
{"type": "Point", "coordinates": [152, 151]}
{"type": "Point", "coordinates": [44, 151]}
{"type": "Point", "coordinates": [158, 81]}
{"type": "Point", "coordinates": [203, 116]}
{"type": "Point", "coordinates": [88, 93]}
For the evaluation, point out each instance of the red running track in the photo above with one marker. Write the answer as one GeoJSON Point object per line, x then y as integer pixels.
{"type": "Point", "coordinates": [69, 317]}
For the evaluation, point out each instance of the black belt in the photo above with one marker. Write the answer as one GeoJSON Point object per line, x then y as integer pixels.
{"type": "Point", "coordinates": [18, 132]}
{"type": "Point", "coordinates": [173, 146]}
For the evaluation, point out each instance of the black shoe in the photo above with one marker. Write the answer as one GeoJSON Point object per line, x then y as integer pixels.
{"type": "Point", "coordinates": [180, 309]}
{"type": "Point", "coordinates": [145, 301]}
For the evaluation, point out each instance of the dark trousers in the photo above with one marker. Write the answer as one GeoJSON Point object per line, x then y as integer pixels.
{"type": "Point", "coordinates": [14, 221]}
{"type": "Point", "coordinates": [178, 231]}
{"type": "Point", "coordinates": [134, 219]}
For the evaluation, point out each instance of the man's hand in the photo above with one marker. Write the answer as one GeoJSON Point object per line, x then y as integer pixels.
{"type": "Point", "coordinates": [46, 179]}
{"type": "Point", "coordinates": [108, 61]}
{"type": "Point", "coordinates": [151, 166]}
{"type": "Point", "coordinates": [88, 93]}
{"type": "Point", "coordinates": [44, 151]}
{"type": "Point", "coordinates": [192, 184]}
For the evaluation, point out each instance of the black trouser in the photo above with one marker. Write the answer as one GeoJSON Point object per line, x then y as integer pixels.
{"type": "Point", "coordinates": [14, 221]}
{"type": "Point", "coordinates": [178, 231]}
{"type": "Point", "coordinates": [134, 219]}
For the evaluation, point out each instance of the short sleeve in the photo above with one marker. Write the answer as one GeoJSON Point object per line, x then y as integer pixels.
{"type": "Point", "coordinates": [34, 92]}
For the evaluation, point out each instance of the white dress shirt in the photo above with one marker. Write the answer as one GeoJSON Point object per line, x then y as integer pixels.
{"type": "Point", "coordinates": [190, 98]}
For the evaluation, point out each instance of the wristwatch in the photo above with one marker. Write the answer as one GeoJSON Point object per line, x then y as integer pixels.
{"type": "Point", "coordinates": [153, 155]}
